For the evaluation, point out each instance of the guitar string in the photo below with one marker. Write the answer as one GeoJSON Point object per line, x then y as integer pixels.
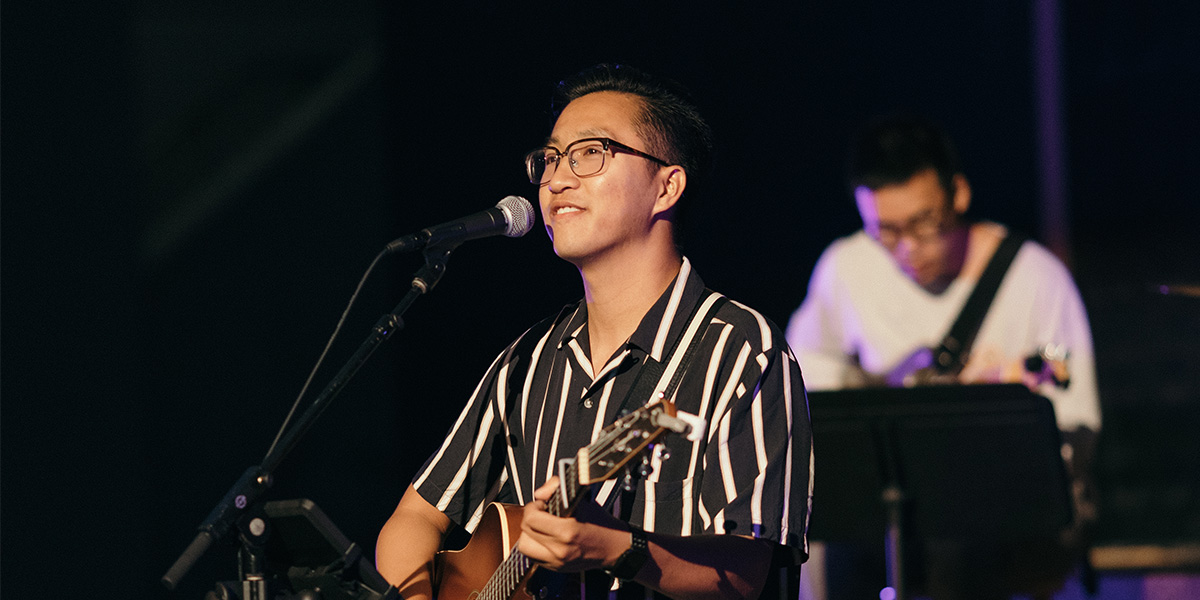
{"type": "Point", "coordinates": [504, 582]}
{"type": "Point", "coordinates": [502, 585]}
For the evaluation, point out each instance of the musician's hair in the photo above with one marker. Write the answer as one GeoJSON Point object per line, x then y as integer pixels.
{"type": "Point", "coordinates": [890, 150]}
{"type": "Point", "coordinates": [669, 121]}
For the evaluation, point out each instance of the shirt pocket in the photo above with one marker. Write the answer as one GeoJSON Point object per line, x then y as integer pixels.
{"type": "Point", "coordinates": [668, 506]}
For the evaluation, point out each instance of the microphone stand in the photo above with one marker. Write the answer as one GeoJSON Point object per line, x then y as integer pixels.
{"type": "Point", "coordinates": [239, 506]}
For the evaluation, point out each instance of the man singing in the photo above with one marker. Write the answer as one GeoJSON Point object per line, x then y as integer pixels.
{"type": "Point", "coordinates": [722, 514]}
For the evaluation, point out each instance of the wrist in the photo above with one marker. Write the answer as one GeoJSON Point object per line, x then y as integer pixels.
{"type": "Point", "coordinates": [631, 560]}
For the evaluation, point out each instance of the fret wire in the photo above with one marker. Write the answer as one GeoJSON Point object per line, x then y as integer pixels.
{"type": "Point", "coordinates": [505, 581]}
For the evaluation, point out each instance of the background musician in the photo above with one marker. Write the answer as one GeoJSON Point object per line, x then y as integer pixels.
{"type": "Point", "coordinates": [881, 298]}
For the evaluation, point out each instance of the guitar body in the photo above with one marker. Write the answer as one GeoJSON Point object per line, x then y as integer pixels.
{"type": "Point", "coordinates": [461, 574]}
{"type": "Point", "coordinates": [490, 568]}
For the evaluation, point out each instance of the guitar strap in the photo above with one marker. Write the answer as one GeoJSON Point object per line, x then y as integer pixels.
{"type": "Point", "coordinates": [949, 356]}
{"type": "Point", "coordinates": [652, 372]}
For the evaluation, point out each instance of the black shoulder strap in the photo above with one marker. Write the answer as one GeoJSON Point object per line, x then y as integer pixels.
{"type": "Point", "coordinates": [948, 356]}
{"type": "Point", "coordinates": [651, 372]}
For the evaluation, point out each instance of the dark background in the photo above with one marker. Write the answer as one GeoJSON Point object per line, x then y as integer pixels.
{"type": "Point", "coordinates": [192, 190]}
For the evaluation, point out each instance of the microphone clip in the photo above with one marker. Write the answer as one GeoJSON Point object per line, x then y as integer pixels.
{"type": "Point", "coordinates": [436, 257]}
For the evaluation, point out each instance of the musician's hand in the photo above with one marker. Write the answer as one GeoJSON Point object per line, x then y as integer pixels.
{"type": "Point", "coordinates": [989, 366]}
{"type": "Point", "coordinates": [1011, 372]}
{"type": "Point", "coordinates": [590, 539]}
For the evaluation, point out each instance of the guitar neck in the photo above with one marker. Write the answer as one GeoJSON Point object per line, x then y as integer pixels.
{"type": "Point", "coordinates": [508, 578]}
{"type": "Point", "coordinates": [563, 504]}
{"type": "Point", "coordinates": [516, 568]}
{"type": "Point", "coordinates": [613, 448]}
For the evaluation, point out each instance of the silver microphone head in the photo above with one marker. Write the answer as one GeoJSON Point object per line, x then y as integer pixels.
{"type": "Point", "coordinates": [520, 216]}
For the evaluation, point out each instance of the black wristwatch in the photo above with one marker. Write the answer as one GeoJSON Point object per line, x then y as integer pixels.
{"type": "Point", "coordinates": [631, 561]}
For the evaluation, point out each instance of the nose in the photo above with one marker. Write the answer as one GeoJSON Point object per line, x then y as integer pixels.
{"type": "Point", "coordinates": [562, 178]}
{"type": "Point", "coordinates": [905, 244]}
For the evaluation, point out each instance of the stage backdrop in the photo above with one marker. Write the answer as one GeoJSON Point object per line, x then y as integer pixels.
{"type": "Point", "coordinates": [192, 191]}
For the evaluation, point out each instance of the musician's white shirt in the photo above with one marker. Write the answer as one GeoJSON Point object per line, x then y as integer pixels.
{"type": "Point", "coordinates": [860, 303]}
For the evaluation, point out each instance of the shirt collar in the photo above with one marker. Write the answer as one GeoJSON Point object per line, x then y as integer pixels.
{"type": "Point", "coordinates": [663, 323]}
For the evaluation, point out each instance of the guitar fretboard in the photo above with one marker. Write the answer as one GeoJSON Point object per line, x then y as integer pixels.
{"type": "Point", "coordinates": [508, 577]}
{"type": "Point", "coordinates": [613, 448]}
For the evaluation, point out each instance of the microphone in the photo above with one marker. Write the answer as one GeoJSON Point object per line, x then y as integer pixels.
{"type": "Point", "coordinates": [512, 217]}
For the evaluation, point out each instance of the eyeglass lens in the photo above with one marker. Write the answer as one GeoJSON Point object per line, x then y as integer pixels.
{"type": "Point", "coordinates": [922, 229]}
{"type": "Point", "coordinates": [585, 159]}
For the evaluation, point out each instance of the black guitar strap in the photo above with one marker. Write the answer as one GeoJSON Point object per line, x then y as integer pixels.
{"type": "Point", "coordinates": [651, 373]}
{"type": "Point", "coordinates": [949, 356]}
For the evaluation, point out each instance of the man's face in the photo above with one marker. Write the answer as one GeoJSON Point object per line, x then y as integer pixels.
{"type": "Point", "coordinates": [612, 211]}
{"type": "Point", "coordinates": [912, 220]}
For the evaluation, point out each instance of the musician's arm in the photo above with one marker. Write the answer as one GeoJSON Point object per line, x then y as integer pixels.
{"type": "Point", "coordinates": [818, 330]}
{"type": "Point", "coordinates": [407, 543]}
{"type": "Point", "coordinates": [706, 566]}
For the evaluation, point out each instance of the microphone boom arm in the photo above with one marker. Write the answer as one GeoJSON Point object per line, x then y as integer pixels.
{"type": "Point", "coordinates": [257, 479]}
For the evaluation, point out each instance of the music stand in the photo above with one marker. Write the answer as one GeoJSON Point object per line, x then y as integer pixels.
{"type": "Point", "coordinates": [978, 461]}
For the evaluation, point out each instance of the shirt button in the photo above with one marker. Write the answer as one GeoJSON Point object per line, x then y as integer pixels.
{"type": "Point", "coordinates": [587, 403]}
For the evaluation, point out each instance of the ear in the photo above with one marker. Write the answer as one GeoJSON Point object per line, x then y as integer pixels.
{"type": "Point", "coordinates": [671, 182]}
{"type": "Point", "coordinates": [864, 198]}
{"type": "Point", "coordinates": [962, 194]}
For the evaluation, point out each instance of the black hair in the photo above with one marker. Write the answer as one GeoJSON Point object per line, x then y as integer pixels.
{"type": "Point", "coordinates": [890, 150]}
{"type": "Point", "coordinates": [669, 121]}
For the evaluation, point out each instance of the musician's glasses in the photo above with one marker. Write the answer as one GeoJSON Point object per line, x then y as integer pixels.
{"type": "Point", "coordinates": [923, 228]}
{"type": "Point", "coordinates": [586, 157]}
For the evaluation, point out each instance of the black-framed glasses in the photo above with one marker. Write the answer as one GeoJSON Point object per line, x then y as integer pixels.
{"type": "Point", "coordinates": [586, 157]}
{"type": "Point", "coordinates": [922, 228]}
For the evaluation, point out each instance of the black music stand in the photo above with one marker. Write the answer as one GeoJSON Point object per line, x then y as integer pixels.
{"type": "Point", "coordinates": [948, 462]}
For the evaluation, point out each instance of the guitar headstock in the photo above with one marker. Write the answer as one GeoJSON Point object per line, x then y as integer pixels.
{"type": "Point", "coordinates": [629, 436]}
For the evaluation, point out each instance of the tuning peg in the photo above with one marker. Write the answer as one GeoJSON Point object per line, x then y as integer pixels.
{"type": "Point", "coordinates": [646, 468]}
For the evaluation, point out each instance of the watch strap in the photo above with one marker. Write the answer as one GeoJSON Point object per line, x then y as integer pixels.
{"type": "Point", "coordinates": [632, 559]}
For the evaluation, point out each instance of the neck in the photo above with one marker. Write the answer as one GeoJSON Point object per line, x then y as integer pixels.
{"type": "Point", "coordinates": [981, 244]}
{"type": "Point", "coordinates": [619, 293]}
{"type": "Point", "coordinates": [971, 246]}
{"type": "Point", "coordinates": [958, 243]}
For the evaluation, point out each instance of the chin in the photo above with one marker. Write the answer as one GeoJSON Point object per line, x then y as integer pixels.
{"type": "Point", "coordinates": [918, 278]}
{"type": "Point", "coordinates": [571, 255]}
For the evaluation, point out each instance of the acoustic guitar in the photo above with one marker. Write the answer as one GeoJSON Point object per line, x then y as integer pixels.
{"type": "Point", "coordinates": [491, 567]}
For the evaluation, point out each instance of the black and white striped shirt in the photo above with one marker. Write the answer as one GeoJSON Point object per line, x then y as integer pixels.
{"type": "Point", "coordinates": [750, 474]}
